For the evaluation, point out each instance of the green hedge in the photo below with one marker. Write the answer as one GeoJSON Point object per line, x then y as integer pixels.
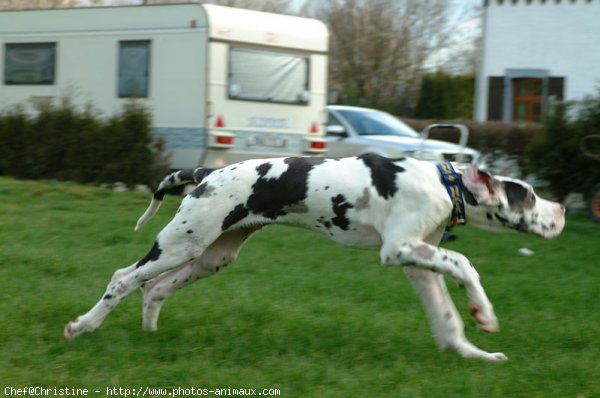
{"type": "Point", "coordinates": [65, 143]}
{"type": "Point", "coordinates": [490, 138]}
{"type": "Point", "coordinates": [446, 96]}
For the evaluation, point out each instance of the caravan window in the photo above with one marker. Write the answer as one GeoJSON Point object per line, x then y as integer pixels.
{"type": "Point", "coordinates": [134, 68]}
{"type": "Point", "coordinates": [29, 63]}
{"type": "Point", "coordinates": [268, 76]}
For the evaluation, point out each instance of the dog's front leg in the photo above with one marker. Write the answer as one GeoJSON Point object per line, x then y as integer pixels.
{"type": "Point", "coordinates": [447, 262]}
{"type": "Point", "coordinates": [447, 325]}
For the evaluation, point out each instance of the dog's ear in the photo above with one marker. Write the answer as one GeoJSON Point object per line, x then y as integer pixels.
{"type": "Point", "coordinates": [482, 185]}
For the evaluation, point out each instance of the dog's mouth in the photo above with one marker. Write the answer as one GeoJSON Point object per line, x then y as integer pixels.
{"type": "Point", "coordinates": [522, 226]}
{"type": "Point", "coordinates": [531, 224]}
{"type": "Point", "coordinates": [549, 230]}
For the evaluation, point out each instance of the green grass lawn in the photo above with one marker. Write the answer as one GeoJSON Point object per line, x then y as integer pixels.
{"type": "Point", "coordinates": [296, 312]}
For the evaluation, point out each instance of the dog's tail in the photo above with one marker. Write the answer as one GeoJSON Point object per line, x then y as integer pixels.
{"type": "Point", "coordinates": [168, 183]}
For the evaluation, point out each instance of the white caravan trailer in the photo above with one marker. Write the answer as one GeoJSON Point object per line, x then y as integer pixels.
{"type": "Point", "coordinates": [223, 84]}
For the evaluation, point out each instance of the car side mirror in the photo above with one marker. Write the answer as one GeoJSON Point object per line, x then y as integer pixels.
{"type": "Point", "coordinates": [336, 130]}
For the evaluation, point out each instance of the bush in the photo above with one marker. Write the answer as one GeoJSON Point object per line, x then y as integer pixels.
{"type": "Point", "coordinates": [64, 143]}
{"type": "Point", "coordinates": [15, 151]}
{"type": "Point", "coordinates": [556, 155]}
{"type": "Point", "coordinates": [492, 139]}
{"type": "Point", "coordinates": [446, 96]}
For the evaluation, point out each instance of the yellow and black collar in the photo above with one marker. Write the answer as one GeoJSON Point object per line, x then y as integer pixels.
{"type": "Point", "coordinates": [451, 181]}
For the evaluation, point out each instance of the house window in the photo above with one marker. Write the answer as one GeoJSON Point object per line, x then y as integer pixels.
{"type": "Point", "coordinates": [268, 76]}
{"type": "Point", "coordinates": [29, 63]}
{"type": "Point", "coordinates": [523, 95]}
{"type": "Point", "coordinates": [134, 68]}
{"type": "Point", "coordinates": [527, 99]}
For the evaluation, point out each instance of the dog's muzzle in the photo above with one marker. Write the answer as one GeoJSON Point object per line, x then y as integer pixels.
{"type": "Point", "coordinates": [548, 219]}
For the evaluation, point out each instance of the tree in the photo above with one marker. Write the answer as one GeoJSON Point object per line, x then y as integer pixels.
{"type": "Point", "coordinates": [379, 48]}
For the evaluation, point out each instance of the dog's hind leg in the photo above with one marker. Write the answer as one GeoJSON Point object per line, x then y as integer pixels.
{"type": "Point", "coordinates": [220, 253]}
{"type": "Point", "coordinates": [172, 249]}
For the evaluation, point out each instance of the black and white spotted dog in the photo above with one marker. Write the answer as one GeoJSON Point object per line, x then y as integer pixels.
{"type": "Point", "coordinates": [400, 206]}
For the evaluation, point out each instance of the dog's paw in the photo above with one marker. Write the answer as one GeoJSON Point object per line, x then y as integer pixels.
{"type": "Point", "coordinates": [486, 320]}
{"type": "Point", "coordinates": [467, 350]}
{"type": "Point", "coordinates": [494, 357]}
{"type": "Point", "coordinates": [74, 329]}
{"type": "Point", "coordinates": [68, 332]}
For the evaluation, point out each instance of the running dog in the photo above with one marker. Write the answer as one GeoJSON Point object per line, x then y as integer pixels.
{"type": "Point", "coordinates": [399, 206]}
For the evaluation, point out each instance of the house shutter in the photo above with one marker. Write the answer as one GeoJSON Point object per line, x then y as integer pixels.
{"type": "Point", "coordinates": [556, 87]}
{"type": "Point", "coordinates": [495, 97]}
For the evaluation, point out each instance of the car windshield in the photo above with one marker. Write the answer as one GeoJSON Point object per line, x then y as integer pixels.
{"type": "Point", "coordinates": [372, 122]}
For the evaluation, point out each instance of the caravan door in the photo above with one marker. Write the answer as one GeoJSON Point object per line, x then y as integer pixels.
{"type": "Point", "coordinates": [267, 85]}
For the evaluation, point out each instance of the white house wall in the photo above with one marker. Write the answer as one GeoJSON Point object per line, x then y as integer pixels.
{"type": "Point", "coordinates": [561, 38]}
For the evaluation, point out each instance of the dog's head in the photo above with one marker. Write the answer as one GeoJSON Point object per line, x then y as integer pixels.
{"type": "Point", "coordinates": [497, 203]}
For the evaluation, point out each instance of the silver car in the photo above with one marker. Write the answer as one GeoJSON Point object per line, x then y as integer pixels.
{"type": "Point", "coordinates": [353, 131]}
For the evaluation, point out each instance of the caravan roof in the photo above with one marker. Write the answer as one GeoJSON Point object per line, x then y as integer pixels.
{"type": "Point", "coordinates": [224, 23]}
{"type": "Point", "coordinates": [234, 24]}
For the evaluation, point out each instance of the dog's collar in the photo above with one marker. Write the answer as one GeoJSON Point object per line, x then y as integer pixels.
{"type": "Point", "coordinates": [451, 181]}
